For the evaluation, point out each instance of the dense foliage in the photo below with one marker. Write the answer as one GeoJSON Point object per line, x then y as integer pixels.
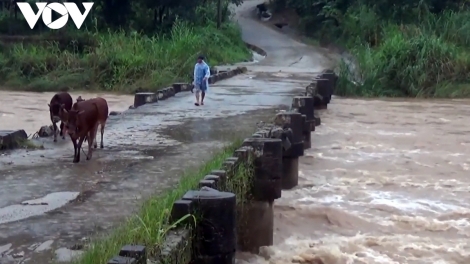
{"type": "Point", "coordinates": [122, 46]}
{"type": "Point", "coordinates": [401, 48]}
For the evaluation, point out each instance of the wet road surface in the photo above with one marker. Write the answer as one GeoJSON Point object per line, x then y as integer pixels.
{"type": "Point", "coordinates": [48, 204]}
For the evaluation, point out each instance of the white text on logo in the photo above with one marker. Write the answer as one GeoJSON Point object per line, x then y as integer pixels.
{"type": "Point", "coordinates": [64, 9]}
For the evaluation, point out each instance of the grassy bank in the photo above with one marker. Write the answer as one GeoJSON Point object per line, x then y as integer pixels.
{"type": "Point", "coordinates": [410, 49]}
{"type": "Point", "coordinates": [118, 62]}
{"type": "Point", "coordinates": [150, 225]}
{"type": "Point", "coordinates": [427, 58]}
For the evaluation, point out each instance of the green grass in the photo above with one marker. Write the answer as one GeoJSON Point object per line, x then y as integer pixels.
{"type": "Point", "coordinates": [150, 225]}
{"type": "Point", "coordinates": [118, 62]}
{"type": "Point", "coordinates": [428, 58]}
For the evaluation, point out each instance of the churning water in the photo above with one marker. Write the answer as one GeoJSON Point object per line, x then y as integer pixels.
{"type": "Point", "coordinates": [384, 182]}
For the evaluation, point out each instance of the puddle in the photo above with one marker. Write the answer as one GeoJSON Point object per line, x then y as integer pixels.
{"type": "Point", "coordinates": [44, 246]}
{"type": "Point", "coordinates": [67, 255]}
{"type": "Point", "coordinates": [35, 207]}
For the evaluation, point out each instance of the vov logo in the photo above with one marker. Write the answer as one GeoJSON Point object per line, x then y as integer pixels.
{"type": "Point", "coordinates": [64, 9]}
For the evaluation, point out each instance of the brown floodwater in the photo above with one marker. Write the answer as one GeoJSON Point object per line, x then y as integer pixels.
{"type": "Point", "coordinates": [385, 182]}
{"type": "Point", "coordinates": [29, 111]}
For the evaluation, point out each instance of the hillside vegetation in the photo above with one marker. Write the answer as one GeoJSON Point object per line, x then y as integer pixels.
{"type": "Point", "coordinates": [122, 46]}
{"type": "Point", "coordinates": [402, 48]}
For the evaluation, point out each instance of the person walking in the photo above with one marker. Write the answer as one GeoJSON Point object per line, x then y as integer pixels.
{"type": "Point", "coordinates": [201, 79]}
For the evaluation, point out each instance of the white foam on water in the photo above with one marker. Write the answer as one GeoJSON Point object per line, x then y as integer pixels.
{"type": "Point", "coordinates": [399, 202]}
{"type": "Point", "coordinates": [379, 188]}
{"type": "Point", "coordinates": [322, 156]}
{"type": "Point", "coordinates": [326, 200]}
{"type": "Point", "coordinates": [390, 133]}
{"type": "Point", "coordinates": [366, 249]}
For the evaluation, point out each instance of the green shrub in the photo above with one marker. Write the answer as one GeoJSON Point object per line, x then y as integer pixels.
{"type": "Point", "coordinates": [119, 61]}
{"type": "Point", "coordinates": [429, 58]}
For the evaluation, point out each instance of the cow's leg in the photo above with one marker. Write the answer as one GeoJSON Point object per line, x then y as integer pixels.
{"type": "Point", "coordinates": [90, 149]}
{"type": "Point", "coordinates": [102, 133]}
{"type": "Point", "coordinates": [79, 147]}
{"type": "Point", "coordinates": [95, 140]}
{"type": "Point", "coordinates": [75, 149]}
{"type": "Point", "coordinates": [54, 128]}
{"type": "Point", "coordinates": [62, 131]}
{"type": "Point", "coordinates": [91, 141]}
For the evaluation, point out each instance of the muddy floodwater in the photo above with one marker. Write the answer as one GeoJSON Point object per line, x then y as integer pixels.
{"type": "Point", "coordinates": [29, 111]}
{"type": "Point", "coordinates": [384, 182]}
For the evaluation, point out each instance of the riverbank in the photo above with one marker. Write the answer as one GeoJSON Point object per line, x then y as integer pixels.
{"type": "Point", "coordinates": [411, 52]}
{"type": "Point", "coordinates": [117, 62]}
{"type": "Point", "coordinates": [427, 58]}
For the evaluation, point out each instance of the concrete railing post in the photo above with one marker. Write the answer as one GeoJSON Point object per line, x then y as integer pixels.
{"type": "Point", "coordinates": [144, 98]}
{"type": "Point", "coordinates": [332, 78]}
{"type": "Point", "coordinates": [323, 90]}
{"type": "Point", "coordinates": [214, 236]}
{"type": "Point", "coordinates": [130, 254]}
{"type": "Point", "coordinates": [138, 252]}
{"type": "Point", "coordinates": [312, 91]}
{"type": "Point", "coordinates": [256, 223]}
{"type": "Point", "coordinates": [307, 132]}
{"type": "Point", "coordinates": [181, 87]}
{"type": "Point", "coordinates": [304, 105]}
{"type": "Point", "coordinates": [122, 260]}
{"type": "Point", "coordinates": [290, 157]}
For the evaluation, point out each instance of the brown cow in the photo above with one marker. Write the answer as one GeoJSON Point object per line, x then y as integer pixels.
{"type": "Point", "coordinates": [80, 99]}
{"type": "Point", "coordinates": [82, 122]}
{"type": "Point", "coordinates": [58, 101]}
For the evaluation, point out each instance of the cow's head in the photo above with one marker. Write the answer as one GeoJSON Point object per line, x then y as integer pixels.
{"type": "Point", "coordinates": [54, 110]}
{"type": "Point", "coordinates": [73, 123]}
